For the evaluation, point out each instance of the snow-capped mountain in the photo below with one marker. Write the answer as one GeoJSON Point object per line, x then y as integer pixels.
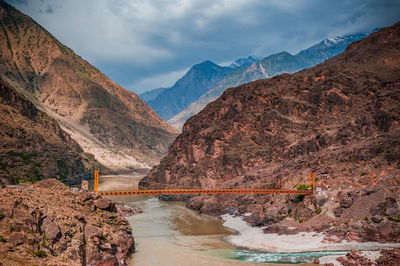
{"type": "Point", "coordinates": [251, 69]}
{"type": "Point", "coordinates": [247, 61]}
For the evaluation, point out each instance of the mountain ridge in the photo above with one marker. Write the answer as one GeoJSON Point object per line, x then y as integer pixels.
{"type": "Point", "coordinates": [114, 124]}
{"type": "Point", "coordinates": [339, 119]}
{"type": "Point", "coordinates": [282, 62]}
{"type": "Point", "coordinates": [190, 87]}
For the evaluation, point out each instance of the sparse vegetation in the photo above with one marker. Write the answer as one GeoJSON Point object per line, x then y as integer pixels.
{"type": "Point", "coordinates": [366, 219]}
{"type": "Point", "coordinates": [318, 211]}
{"type": "Point", "coordinates": [23, 156]}
{"type": "Point", "coordinates": [2, 216]}
{"type": "Point", "coordinates": [29, 179]}
{"type": "Point", "coordinates": [300, 197]}
{"type": "Point", "coordinates": [2, 239]}
{"type": "Point", "coordinates": [303, 187]}
{"type": "Point", "coordinates": [394, 219]}
{"type": "Point", "coordinates": [39, 253]}
{"type": "Point", "coordinates": [300, 221]}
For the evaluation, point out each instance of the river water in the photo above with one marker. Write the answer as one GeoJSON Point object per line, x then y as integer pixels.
{"type": "Point", "coordinates": [167, 233]}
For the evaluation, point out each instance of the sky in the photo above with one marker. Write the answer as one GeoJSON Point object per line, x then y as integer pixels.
{"type": "Point", "coordinates": [147, 44]}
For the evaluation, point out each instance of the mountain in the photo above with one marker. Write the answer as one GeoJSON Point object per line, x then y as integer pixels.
{"type": "Point", "coordinates": [269, 66]}
{"type": "Point", "coordinates": [34, 147]}
{"type": "Point", "coordinates": [113, 124]}
{"type": "Point", "coordinates": [339, 120]}
{"type": "Point", "coordinates": [152, 94]}
{"type": "Point", "coordinates": [329, 47]}
{"type": "Point", "coordinates": [199, 79]}
{"type": "Point", "coordinates": [243, 62]}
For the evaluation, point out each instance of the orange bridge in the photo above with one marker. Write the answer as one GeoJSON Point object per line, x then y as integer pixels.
{"type": "Point", "coordinates": [310, 190]}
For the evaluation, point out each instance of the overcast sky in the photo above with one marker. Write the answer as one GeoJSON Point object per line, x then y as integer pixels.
{"type": "Point", "coordinates": [146, 44]}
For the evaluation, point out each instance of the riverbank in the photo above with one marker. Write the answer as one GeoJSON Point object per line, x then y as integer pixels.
{"type": "Point", "coordinates": [253, 238]}
{"type": "Point", "coordinates": [47, 223]}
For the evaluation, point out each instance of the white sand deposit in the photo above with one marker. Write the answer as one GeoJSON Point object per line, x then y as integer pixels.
{"type": "Point", "coordinates": [254, 238]}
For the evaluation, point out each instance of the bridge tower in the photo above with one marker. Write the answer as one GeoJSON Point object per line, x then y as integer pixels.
{"type": "Point", "coordinates": [96, 181]}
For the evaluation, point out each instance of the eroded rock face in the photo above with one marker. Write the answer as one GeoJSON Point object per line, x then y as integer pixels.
{"type": "Point", "coordinates": [33, 146]}
{"type": "Point", "coordinates": [75, 229]}
{"type": "Point", "coordinates": [89, 106]}
{"type": "Point", "coordinates": [340, 120]}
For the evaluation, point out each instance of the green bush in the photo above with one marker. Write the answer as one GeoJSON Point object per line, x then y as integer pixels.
{"type": "Point", "coordinates": [40, 253]}
{"type": "Point", "coordinates": [394, 219]}
{"type": "Point", "coordinates": [303, 187]}
{"type": "Point", "coordinates": [29, 179]}
{"type": "Point", "coordinates": [318, 211]}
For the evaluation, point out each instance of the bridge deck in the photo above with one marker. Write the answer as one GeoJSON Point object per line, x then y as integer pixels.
{"type": "Point", "coordinates": [202, 191]}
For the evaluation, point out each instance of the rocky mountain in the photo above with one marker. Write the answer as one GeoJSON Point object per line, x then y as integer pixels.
{"type": "Point", "coordinates": [78, 228]}
{"type": "Point", "coordinates": [339, 119]}
{"type": "Point", "coordinates": [241, 62]}
{"type": "Point", "coordinates": [152, 94]}
{"type": "Point", "coordinates": [198, 80]}
{"type": "Point", "coordinates": [113, 124]}
{"type": "Point", "coordinates": [33, 146]}
{"type": "Point", "coordinates": [250, 69]}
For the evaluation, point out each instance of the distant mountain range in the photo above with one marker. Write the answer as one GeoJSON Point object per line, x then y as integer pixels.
{"type": "Point", "coordinates": [197, 81]}
{"type": "Point", "coordinates": [174, 105]}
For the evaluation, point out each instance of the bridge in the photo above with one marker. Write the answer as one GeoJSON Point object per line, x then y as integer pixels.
{"type": "Point", "coordinates": [178, 191]}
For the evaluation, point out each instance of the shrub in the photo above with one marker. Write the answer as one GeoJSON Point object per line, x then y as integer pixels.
{"type": "Point", "coordinates": [40, 253]}
{"type": "Point", "coordinates": [366, 218]}
{"type": "Point", "coordinates": [2, 216]}
{"type": "Point", "coordinates": [394, 219]}
{"type": "Point", "coordinates": [2, 239]}
{"type": "Point", "coordinates": [303, 187]}
{"type": "Point", "coordinates": [318, 211]}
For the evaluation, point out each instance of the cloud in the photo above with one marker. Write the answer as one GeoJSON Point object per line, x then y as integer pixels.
{"type": "Point", "coordinates": [134, 41]}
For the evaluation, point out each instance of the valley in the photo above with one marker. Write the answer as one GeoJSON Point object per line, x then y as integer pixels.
{"type": "Point", "coordinates": [290, 158]}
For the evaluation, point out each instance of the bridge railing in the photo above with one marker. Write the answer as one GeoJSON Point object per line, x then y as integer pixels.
{"type": "Point", "coordinates": [312, 187]}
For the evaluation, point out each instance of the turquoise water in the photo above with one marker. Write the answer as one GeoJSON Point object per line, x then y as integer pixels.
{"type": "Point", "coordinates": [289, 258]}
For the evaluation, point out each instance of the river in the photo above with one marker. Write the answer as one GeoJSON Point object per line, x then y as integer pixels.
{"type": "Point", "coordinates": [167, 233]}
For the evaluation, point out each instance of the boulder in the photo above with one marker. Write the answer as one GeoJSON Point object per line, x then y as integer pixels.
{"type": "Point", "coordinates": [52, 231]}
{"type": "Point", "coordinates": [105, 205]}
{"type": "Point", "coordinates": [346, 202]}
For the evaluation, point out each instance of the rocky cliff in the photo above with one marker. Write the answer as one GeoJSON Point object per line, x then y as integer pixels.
{"type": "Point", "coordinates": [33, 146]}
{"type": "Point", "coordinates": [106, 120]}
{"type": "Point", "coordinates": [78, 228]}
{"type": "Point", "coordinates": [340, 119]}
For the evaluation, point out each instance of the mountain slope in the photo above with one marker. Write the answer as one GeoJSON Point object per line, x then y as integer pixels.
{"type": "Point", "coordinates": [199, 79]}
{"type": "Point", "coordinates": [268, 67]}
{"type": "Point", "coordinates": [33, 146]}
{"type": "Point", "coordinates": [104, 118]}
{"type": "Point", "coordinates": [152, 94]}
{"type": "Point", "coordinates": [340, 119]}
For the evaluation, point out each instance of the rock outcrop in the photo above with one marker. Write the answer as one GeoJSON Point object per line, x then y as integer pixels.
{"type": "Point", "coordinates": [339, 119]}
{"type": "Point", "coordinates": [78, 228]}
{"type": "Point", "coordinates": [34, 147]}
{"type": "Point", "coordinates": [115, 125]}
